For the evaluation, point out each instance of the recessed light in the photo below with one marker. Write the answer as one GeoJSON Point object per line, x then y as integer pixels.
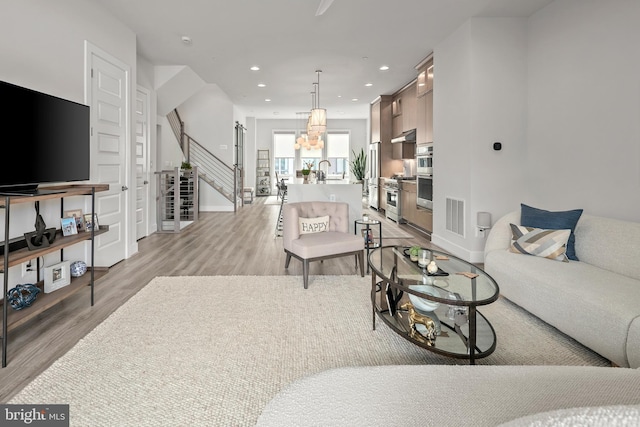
{"type": "Point", "coordinates": [255, 68]}
{"type": "Point", "coordinates": [186, 39]}
{"type": "Point", "coordinates": [354, 99]}
{"type": "Point", "coordinates": [384, 68]}
{"type": "Point", "coordinates": [339, 96]}
{"type": "Point", "coordinates": [262, 85]}
{"type": "Point", "coordinates": [267, 100]}
{"type": "Point", "coordinates": [368, 84]}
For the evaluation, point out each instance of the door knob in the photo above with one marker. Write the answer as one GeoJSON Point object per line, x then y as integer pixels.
{"type": "Point", "coordinates": [125, 188]}
{"type": "Point", "coordinates": [145, 182]}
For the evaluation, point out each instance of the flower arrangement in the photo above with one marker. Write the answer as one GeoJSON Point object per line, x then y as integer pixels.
{"type": "Point", "coordinates": [306, 170]}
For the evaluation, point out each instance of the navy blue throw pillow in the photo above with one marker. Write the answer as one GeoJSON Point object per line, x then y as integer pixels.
{"type": "Point", "coordinates": [539, 218]}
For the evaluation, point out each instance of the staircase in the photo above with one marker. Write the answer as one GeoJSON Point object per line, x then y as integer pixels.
{"type": "Point", "coordinates": [225, 179]}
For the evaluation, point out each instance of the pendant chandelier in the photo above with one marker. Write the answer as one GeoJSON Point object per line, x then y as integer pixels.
{"type": "Point", "coordinates": [318, 117]}
{"type": "Point", "coordinates": [312, 139]}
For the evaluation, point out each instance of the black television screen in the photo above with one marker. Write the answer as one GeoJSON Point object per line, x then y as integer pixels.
{"type": "Point", "coordinates": [46, 139]}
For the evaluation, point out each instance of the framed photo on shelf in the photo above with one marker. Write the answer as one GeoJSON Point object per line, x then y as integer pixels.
{"type": "Point", "coordinates": [89, 223]}
{"type": "Point", "coordinates": [57, 276]}
{"type": "Point", "coordinates": [69, 226]}
{"type": "Point", "coordinates": [77, 214]}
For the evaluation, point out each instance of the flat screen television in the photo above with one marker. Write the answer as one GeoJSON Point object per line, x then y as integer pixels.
{"type": "Point", "coordinates": [45, 140]}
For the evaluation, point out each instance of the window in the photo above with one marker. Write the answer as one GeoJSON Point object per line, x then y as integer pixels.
{"type": "Point", "coordinates": [337, 147]}
{"type": "Point", "coordinates": [284, 154]}
{"type": "Point", "coordinates": [287, 159]}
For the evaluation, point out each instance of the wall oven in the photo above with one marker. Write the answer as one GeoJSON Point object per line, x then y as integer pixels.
{"type": "Point", "coordinates": [424, 159]}
{"type": "Point", "coordinates": [425, 191]}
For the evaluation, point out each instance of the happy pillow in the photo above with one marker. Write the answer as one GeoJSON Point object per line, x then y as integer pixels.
{"type": "Point", "coordinates": [539, 218]}
{"type": "Point", "coordinates": [313, 225]}
{"type": "Point", "coordinates": [550, 244]}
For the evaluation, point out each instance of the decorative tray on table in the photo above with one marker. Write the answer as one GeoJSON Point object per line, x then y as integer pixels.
{"type": "Point", "coordinates": [440, 271]}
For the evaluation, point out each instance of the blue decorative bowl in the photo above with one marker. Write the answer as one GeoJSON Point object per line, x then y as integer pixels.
{"type": "Point", "coordinates": [22, 296]}
{"type": "Point", "coordinates": [78, 268]}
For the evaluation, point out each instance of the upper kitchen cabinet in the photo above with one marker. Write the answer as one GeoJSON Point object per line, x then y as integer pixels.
{"type": "Point", "coordinates": [424, 82]}
{"type": "Point", "coordinates": [424, 108]}
{"type": "Point", "coordinates": [381, 119]}
{"type": "Point", "coordinates": [404, 109]}
{"type": "Point", "coordinates": [409, 107]}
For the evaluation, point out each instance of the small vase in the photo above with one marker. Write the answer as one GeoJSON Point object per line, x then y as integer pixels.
{"type": "Point", "coordinates": [305, 179]}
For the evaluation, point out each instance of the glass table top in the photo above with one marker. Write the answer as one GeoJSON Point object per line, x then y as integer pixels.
{"type": "Point", "coordinates": [456, 282]}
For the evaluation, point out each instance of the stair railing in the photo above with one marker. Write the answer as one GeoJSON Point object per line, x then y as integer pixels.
{"type": "Point", "coordinates": [211, 169]}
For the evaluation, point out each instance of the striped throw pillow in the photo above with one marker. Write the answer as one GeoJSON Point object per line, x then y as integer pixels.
{"type": "Point", "coordinates": [550, 244]}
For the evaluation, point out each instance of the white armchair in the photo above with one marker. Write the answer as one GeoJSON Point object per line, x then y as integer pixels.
{"type": "Point", "coordinates": [337, 241]}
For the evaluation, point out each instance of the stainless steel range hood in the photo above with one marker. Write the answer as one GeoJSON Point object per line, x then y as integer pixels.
{"type": "Point", "coordinates": [407, 136]}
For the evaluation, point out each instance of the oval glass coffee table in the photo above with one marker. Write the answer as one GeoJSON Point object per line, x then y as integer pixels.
{"type": "Point", "coordinates": [438, 310]}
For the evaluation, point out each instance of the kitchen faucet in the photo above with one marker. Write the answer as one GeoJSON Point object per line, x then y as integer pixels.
{"type": "Point", "coordinates": [321, 175]}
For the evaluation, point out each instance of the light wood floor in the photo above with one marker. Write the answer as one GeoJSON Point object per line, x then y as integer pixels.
{"type": "Point", "coordinates": [209, 247]}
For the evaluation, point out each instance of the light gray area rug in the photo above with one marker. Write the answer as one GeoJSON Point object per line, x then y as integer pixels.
{"type": "Point", "coordinates": [212, 351]}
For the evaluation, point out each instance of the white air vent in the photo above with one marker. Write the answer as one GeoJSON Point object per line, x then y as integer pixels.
{"type": "Point", "coordinates": [455, 216]}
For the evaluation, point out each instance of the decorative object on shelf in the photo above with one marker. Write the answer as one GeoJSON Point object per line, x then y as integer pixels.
{"type": "Point", "coordinates": [423, 258]}
{"type": "Point", "coordinates": [416, 318]}
{"type": "Point", "coordinates": [90, 223]}
{"type": "Point", "coordinates": [423, 304]}
{"type": "Point", "coordinates": [414, 251]}
{"type": "Point", "coordinates": [43, 236]}
{"type": "Point", "coordinates": [22, 296]}
{"type": "Point", "coordinates": [77, 215]}
{"type": "Point", "coordinates": [432, 267]}
{"type": "Point", "coordinates": [359, 165]}
{"type": "Point", "coordinates": [69, 226]}
{"type": "Point", "coordinates": [57, 276]}
{"type": "Point", "coordinates": [78, 268]}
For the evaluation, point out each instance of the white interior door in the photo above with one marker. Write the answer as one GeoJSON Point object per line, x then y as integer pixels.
{"type": "Point", "coordinates": [142, 162]}
{"type": "Point", "coordinates": [108, 97]}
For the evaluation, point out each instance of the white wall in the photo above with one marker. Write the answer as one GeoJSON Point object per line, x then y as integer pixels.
{"type": "Point", "coordinates": [561, 91]}
{"type": "Point", "coordinates": [42, 48]}
{"type": "Point", "coordinates": [479, 99]}
{"type": "Point", "coordinates": [583, 146]}
{"type": "Point", "coordinates": [209, 119]}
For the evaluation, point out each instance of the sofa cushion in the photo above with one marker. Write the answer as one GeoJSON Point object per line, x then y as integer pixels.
{"type": "Point", "coordinates": [550, 244]}
{"type": "Point", "coordinates": [313, 225]}
{"type": "Point", "coordinates": [560, 220]}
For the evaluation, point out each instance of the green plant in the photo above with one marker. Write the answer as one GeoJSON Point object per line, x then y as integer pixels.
{"type": "Point", "coordinates": [185, 165]}
{"type": "Point", "coordinates": [414, 250]}
{"type": "Point", "coordinates": [359, 165]}
{"type": "Point", "coordinates": [306, 170]}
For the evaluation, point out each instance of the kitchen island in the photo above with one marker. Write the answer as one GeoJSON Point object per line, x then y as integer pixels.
{"type": "Point", "coordinates": [337, 190]}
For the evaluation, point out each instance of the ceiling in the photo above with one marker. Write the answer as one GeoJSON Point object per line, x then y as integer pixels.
{"type": "Point", "coordinates": [289, 42]}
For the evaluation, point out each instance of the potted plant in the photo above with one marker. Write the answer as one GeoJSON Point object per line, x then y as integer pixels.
{"type": "Point", "coordinates": [185, 168]}
{"type": "Point", "coordinates": [306, 170]}
{"type": "Point", "coordinates": [414, 251]}
{"type": "Point", "coordinates": [359, 165]}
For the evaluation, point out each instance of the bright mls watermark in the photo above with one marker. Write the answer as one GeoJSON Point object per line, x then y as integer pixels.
{"type": "Point", "coordinates": [34, 415]}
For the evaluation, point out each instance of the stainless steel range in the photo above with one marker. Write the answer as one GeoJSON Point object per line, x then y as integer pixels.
{"type": "Point", "coordinates": [393, 191]}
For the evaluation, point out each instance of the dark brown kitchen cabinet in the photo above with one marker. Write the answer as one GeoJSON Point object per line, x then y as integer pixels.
{"type": "Point", "coordinates": [408, 201]}
{"type": "Point", "coordinates": [424, 219]}
{"type": "Point", "coordinates": [404, 150]}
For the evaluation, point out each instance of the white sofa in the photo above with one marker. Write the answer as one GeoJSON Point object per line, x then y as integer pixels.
{"type": "Point", "coordinates": [595, 300]}
{"type": "Point", "coordinates": [442, 396]}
